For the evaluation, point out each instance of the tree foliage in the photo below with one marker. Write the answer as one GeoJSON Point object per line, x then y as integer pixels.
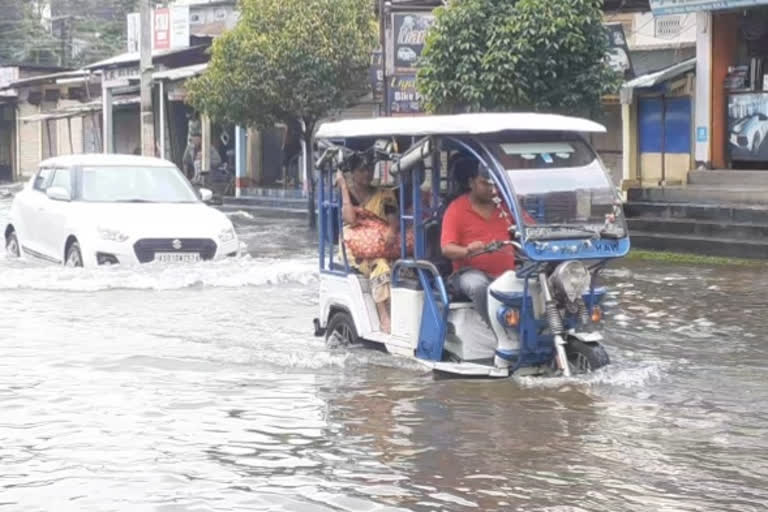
{"type": "Point", "coordinates": [288, 61]}
{"type": "Point", "coordinates": [513, 55]}
{"type": "Point", "coordinates": [78, 31]}
{"type": "Point", "coordinates": [23, 37]}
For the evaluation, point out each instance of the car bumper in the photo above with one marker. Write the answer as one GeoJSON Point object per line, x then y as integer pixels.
{"type": "Point", "coordinates": [99, 252]}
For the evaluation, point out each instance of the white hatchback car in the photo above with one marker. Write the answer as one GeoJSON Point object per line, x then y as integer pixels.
{"type": "Point", "coordinates": [87, 210]}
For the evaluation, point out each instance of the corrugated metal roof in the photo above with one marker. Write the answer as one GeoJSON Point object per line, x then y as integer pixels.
{"type": "Point", "coordinates": [78, 110]}
{"type": "Point", "coordinates": [78, 73]}
{"type": "Point", "coordinates": [180, 73]}
{"type": "Point", "coordinates": [130, 57]}
{"type": "Point", "coordinates": [651, 79]}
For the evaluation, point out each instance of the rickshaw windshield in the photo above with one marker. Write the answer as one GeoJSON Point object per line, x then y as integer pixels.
{"type": "Point", "coordinates": [560, 183]}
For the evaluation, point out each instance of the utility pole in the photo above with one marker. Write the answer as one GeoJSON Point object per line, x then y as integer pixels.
{"type": "Point", "coordinates": [147, 117]}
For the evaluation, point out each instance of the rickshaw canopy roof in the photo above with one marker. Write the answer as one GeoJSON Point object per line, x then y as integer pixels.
{"type": "Point", "coordinates": [459, 124]}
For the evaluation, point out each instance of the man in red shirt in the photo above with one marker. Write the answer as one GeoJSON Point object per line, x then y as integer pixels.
{"type": "Point", "coordinates": [470, 223]}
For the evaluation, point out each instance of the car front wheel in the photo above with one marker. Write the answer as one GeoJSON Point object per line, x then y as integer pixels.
{"type": "Point", "coordinates": [12, 247]}
{"type": "Point", "coordinates": [74, 255]}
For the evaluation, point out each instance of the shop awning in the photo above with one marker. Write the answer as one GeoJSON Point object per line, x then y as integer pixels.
{"type": "Point", "coordinates": [656, 78]}
{"type": "Point", "coordinates": [180, 73]}
{"type": "Point", "coordinates": [77, 110]}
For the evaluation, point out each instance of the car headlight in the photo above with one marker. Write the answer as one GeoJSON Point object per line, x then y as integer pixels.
{"type": "Point", "coordinates": [571, 279]}
{"type": "Point", "coordinates": [226, 235]}
{"type": "Point", "coordinates": [113, 235]}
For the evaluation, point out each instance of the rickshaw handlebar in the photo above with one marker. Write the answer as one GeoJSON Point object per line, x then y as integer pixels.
{"type": "Point", "coordinates": [499, 244]}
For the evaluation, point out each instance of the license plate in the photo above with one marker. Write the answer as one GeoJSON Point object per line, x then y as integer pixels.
{"type": "Point", "coordinates": [590, 337]}
{"type": "Point", "coordinates": [177, 257]}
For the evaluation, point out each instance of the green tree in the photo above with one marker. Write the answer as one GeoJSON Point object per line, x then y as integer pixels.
{"type": "Point", "coordinates": [23, 37]}
{"type": "Point", "coordinates": [78, 31]}
{"type": "Point", "coordinates": [291, 61]}
{"type": "Point", "coordinates": [513, 55]}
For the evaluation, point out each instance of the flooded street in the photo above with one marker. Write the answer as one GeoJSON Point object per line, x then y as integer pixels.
{"type": "Point", "coordinates": [201, 387]}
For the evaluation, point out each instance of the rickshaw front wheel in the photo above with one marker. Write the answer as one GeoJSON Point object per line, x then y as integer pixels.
{"type": "Point", "coordinates": [585, 357]}
{"type": "Point", "coordinates": [341, 331]}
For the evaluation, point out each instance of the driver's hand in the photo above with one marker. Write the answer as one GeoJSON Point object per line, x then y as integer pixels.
{"type": "Point", "coordinates": [474, 247]}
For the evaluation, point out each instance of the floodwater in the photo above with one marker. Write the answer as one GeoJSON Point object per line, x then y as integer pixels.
{"type": "Point", "coordinates": [201, 388]}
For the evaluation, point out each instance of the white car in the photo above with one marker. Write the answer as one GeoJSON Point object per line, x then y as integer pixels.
{"type": "Point", "coordinates": [406, 54]}
{"type": "Point", "coordinates": [88, 210]}
{"type": "Point", "coordinates": [750, 132]}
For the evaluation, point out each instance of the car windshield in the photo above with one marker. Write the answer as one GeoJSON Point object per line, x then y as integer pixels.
{"type": "Point", "coordinates": [561, 184]}
{"type": "Point", "coordinates": [135, 184]}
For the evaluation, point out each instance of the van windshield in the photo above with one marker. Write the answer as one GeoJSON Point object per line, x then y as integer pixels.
{"type": "Point", "coordinates": [562, 185]}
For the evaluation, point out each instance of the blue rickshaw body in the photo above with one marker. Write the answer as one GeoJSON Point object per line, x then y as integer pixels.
{"type": "Point", "coordinates": [536, 345]}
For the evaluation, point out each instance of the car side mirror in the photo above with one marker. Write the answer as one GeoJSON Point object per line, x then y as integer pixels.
{"type": "Point", "coordinates": [206, 195]}
{"type": "Point", "coordinates": [58, 194]}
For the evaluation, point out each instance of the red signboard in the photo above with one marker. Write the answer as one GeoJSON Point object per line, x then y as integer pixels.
{"type": "Point", "coordinates": [162, 29]}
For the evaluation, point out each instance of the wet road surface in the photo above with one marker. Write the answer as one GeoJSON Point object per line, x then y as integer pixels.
{"type": "Point", "coordinates": [201, 387]}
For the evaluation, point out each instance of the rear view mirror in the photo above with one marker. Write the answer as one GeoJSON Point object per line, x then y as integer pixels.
{"type": "Point", "coordinates": [205, 195]}
{"type": "Point", "coordinates": [58, 194]}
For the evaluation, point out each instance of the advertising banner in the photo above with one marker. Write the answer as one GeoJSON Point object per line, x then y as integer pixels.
{"type": "Point", "coordinates": [404, 99]}
{"type": "Point", "coordinates": [376, 74]}
{"type": "Point", "coordinates": [748, 127]}
{"type": "Point", "coordinates": [170, 29]}
{"type": "Point", "coordinates": [405, 43]}
{"type": "Point", "coordinates": [662, 7]}
{"type": "Point", "coordinates": [161, 23]}
{"type": "Point", "coordinates": [409, 35]}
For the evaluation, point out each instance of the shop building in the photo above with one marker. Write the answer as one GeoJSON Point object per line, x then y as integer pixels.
{"type": "Point", "coordinates": [719, 205]}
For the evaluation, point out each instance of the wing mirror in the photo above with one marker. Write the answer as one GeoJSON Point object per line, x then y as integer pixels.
{"type": "Point", "coordinates": [58, 194]}
{"type": "Point", "coordinates": [206, 195]}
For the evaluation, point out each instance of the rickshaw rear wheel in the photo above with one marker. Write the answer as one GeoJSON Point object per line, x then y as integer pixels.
{"type": "Point", "coordinates": [341, 331]}
{"type": "Point", "coordinates": [585, 357]}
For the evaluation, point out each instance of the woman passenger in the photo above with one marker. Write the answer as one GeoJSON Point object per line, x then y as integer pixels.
{"type": "Point", "coordinates": [371, 231]}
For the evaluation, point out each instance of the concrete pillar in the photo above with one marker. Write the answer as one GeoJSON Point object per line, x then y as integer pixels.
{"type": "Point", "coordinates": [629, 174]}
{"type": "Point", "coordinates": [205, 161]}
{"type": "Point", "coordinates": [241, 170]}
{"type": "Point", "coordinates": [162, 118]}
{"type": "Point", "coordinates": [703, 97]}
{"type": "Point", "coordinates": [106, 120]}
{"type": "Point", "coordinates": [16, 171]}
{"type": "Point", "coordinates": [304, 169]}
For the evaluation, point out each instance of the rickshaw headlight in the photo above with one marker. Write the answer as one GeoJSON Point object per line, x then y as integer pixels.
{"type": "Point", "coordinates": [571, 279]}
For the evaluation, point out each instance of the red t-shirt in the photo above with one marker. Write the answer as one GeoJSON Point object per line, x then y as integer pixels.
{"type": "Point", "coordinates": [462, 225]}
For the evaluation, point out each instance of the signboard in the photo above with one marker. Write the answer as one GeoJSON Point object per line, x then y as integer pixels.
{"type": "Point", "coordinates": [662, 7]}
{"type": "Point", "coordinates": [212, 19]}
{"type": "Point", "coordinates": [8, 75]}
{"type": "Point", "coordinates": [405, 43]}
{"type": "Point", "coordinates": [748, 127]}
{"type": "Point", "coordinates": [120, 77]}
{"type": "Point", "coordinates": [409, 35]}
{"type": "Point", "coordinates": [133, 32]}
{"type": "Point", "coordinates": [618, 57]}
{"type": "Point", "coordinates": [161, 33]}
{"type": "Point", "coordinates": [376, 74]}
{"type": "Point", "coordinates": [404, 99]}
{"type": "Point", "coordinates": [170, 29]}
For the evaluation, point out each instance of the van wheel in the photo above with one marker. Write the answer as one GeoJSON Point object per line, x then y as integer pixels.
{"type": "Point", "coordinates": [341, 331]}
{"type": "Point", "coordinates": [74, 255]}
{"type": "Point", "coordinates": [585, 357]}
{"type": "Point", "coordinates": [12, 247]}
